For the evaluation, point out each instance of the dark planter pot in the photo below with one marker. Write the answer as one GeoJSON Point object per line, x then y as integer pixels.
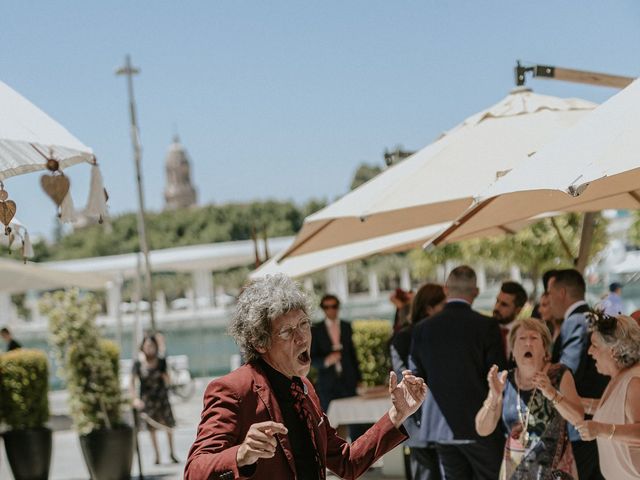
{"type": "Point", "coordinates": [108, 453]}
{"type": "Point", "coordinates": [29, 453]}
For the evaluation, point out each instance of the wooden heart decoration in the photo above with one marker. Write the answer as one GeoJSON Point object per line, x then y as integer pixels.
{"type": "Point", "coordinates": [7, 212]}
{"type": "Point", "coordinates": [56, 186]}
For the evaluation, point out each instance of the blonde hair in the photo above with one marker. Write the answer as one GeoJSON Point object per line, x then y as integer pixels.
{"type": "Point", "coordinates": [534, 325]}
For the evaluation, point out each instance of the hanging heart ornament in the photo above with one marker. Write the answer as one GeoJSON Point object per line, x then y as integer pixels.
{"type": "Point", "coordinates": [56, 186]}
{"type": "Point", "coordinates": [7, 209]}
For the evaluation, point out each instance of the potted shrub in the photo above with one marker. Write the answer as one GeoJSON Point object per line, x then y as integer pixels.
{"type": "Point", "coordinates": [89, 366]}
{"type": "Point", "coordinates": [371, 341]}
{"type": "Point", "coordinates": [24, 377]}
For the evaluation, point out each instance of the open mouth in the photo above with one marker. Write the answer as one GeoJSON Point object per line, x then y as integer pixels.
{"type": "Point", "coordinates": [528, 355]}
{"type": "Point", "coordinates": [304, 357]}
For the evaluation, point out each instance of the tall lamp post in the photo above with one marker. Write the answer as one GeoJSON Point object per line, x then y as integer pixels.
{"type": "Point", "coordinates": [130, 71]}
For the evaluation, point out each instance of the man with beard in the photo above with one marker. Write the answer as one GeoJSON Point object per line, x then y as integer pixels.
{"type": "Point", "coordinates": [509, 303]}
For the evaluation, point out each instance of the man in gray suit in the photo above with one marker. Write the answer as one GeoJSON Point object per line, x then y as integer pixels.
{"type": "Point", "coordinates": [453, 351]}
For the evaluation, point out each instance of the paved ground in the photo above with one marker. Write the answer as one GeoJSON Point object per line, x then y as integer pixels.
{"type": "Point", "coordinates": [68, 464]}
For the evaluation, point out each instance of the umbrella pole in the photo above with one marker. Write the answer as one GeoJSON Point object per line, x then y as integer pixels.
{"type": "Point", "coordinates": [588, 227]}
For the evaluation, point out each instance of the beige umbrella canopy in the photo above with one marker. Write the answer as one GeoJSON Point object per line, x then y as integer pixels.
{"type": "Point", "coordinates": [308, 263]}
{"type": "Point", "coordinates": [438, 183]}
{"type": "Point", "coordinates": [594, 166]}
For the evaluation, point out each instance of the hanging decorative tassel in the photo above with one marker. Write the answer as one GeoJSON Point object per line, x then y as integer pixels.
{"type": "Point", "coordinates": [27, 248]}
{"type": "Point", "coordinates": [97, 203]}
{"type": "Point", "coordinates": [10, 239]}
{"type": "Point", "coordinates": [67, 210]}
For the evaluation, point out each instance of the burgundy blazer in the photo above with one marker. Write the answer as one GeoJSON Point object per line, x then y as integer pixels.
{"type": "Point", "coordinates": [238, 400]}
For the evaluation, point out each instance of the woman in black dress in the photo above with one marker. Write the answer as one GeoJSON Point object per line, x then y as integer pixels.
{"type": "Point", "coordinates": [153, 400]}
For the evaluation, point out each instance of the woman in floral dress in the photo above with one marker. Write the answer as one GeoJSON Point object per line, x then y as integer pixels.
{"type": "Point", "coordinates": [150, 371]}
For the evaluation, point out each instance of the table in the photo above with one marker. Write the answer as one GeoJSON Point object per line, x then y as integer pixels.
{"type": "Point", "coordinates": [345, 411]}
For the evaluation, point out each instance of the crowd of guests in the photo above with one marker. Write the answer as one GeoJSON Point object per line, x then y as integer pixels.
{"type": "Point", "coordinates": [554, 395]}
{"type": "Point", "coordinates": [551, 395]}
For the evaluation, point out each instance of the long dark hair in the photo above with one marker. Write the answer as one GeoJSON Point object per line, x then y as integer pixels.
{"type": "Point", "coordinates": [152, 339]}
{"type": "Point", "coordinates": [429, 295]}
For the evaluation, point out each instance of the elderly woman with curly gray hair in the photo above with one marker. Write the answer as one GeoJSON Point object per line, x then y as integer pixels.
{"type": "Point", "coordinates": [264, 419]}
{"type": "Point", "coordinates": [615, 346]}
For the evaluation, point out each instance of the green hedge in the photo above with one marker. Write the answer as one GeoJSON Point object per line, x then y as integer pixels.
{"type": "Point", "coordinates": [371, 341]}
{"type": "Point", "coordinates": [24, 376]}
{"type": "Point", "coordinates": [88, 363]}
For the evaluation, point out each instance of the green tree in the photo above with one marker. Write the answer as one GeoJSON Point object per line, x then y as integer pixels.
{"type": "Point", "coordinates": [634, 231]}
{"type": "Point", "coordinates": [363, 174]}
{"type": "Point", "coordinates": [207, 224]}
{"type": "Point", "coordinates": [533, 249]}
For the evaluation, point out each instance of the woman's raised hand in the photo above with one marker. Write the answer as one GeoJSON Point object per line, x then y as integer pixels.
{"type": "Point", "coordinates": [497, 382]}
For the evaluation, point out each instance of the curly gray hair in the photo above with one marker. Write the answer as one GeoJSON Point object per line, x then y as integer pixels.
{"type": "Point", "coordinates": [621, 334]}
{"type": "Point", "coordinates": [259, 304]}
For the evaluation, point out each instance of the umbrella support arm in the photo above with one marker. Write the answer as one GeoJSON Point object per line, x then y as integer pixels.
{"type": "Point", "coordinates": [570, 75]}
{"type": "Point", "coordinates": [563, 240]}
{"type": "Point", "coordinates": [588, 227]}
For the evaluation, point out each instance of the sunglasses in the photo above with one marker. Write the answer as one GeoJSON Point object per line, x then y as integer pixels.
{"type": "Point", "coordinates": [333, 306]}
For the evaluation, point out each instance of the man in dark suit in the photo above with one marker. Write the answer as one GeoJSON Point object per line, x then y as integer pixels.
{"type": "Point", "coordinates": [453, 351]}
{"type": "Point", "coordinates": [509, 302]}
{"type": "Point", "coordinates": [334, 357]}
{"type": "Point", "coordinates": [264, 419]}
{"type": "Point", "coordinates": [566, 290]}
{"type": "Point", "coordinates": [333, 354]}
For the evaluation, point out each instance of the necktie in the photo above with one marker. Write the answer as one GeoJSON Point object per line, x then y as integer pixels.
{"type": "Point", "coordinates": [302, 406]}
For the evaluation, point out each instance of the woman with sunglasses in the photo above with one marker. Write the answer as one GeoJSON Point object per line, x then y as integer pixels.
{"type": "Point", "coordinates": [615, 346]}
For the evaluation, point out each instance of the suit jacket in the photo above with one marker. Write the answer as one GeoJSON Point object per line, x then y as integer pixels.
{"type": "Point", "coordinates": [571, 349]}
{"type": "Point", "coordinates": [330, 384]}
{"type": "Point", "coordinates": [453, 351]}
{"type": "Point", "coordinates": [238, 400]}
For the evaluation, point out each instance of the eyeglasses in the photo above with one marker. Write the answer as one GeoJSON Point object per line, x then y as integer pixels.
{"type": "Point", "coordinates": [333, 306]}
{"type": "Point", "coordinates": [303, 327]}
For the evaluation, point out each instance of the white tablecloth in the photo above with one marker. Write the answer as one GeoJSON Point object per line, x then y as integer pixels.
{"type": "Point", "coordinates": [345, 411]}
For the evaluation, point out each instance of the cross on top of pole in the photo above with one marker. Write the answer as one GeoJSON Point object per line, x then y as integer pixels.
{"type": "Point", "coordinates": [127, 69]}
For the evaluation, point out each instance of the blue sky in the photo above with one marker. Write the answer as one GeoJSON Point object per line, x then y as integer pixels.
{"type": "Point", "coordinates": [283, 100]}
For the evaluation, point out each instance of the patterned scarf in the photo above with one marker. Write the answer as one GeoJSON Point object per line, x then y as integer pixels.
{"type": "Point", "coordinates": [304, 409]}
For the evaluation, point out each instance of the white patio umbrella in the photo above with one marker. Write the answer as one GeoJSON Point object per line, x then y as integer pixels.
{"type": "Point", "coordinates": [17, 278]}
{"type": "Point", "coordinates": [593, 166]}
{"type": "Point", "coordinates": [29, 138]}
{"type": "Point", "coordinates": [437, 184]}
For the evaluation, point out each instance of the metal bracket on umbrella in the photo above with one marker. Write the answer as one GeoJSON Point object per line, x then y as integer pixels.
{"type": "Point", "coordinates": [570, 75]}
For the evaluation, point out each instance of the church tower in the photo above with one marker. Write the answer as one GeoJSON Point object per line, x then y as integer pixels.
{"type": "Point", "coordinates": [179, 191]}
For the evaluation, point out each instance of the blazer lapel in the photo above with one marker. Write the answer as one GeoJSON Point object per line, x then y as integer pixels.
{"type": "Point", "coordinates": [263, 390]}
{"type": "Point", "coordinates": [319, 428]}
